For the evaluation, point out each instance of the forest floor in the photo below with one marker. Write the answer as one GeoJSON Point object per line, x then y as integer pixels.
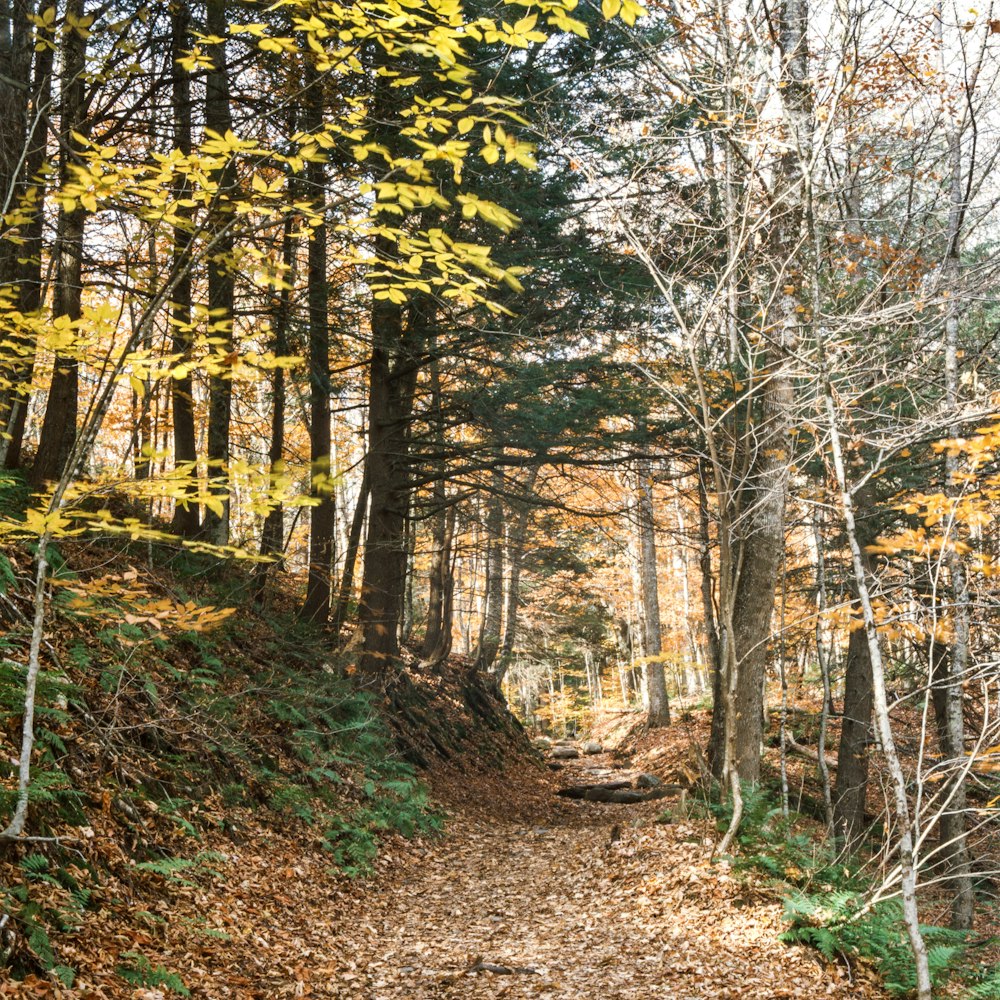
{"type": "Point", "coordinates": [534, 896]}
{"type": "Point", "coordinates": [525, 895]}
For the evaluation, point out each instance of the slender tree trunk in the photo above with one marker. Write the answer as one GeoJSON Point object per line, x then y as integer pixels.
{"type": "Point", "coordinates": [221, 284]}
{"type": "Point", "coordinates": [516, 538]}
{"type": "Point", "coordinates": [322, 516]}
{"type": "Point", "coordinates": [346, 589]}
{"type": "Point", "coordinates": [492, 623]}
{"type": "Point", "coordinates": [59, 427]}
{"type": "Point", "coordinates": [406, 623]}
{"type": "Point", "coordinates": [272, 538]}
{"type": "Point", "coordinates": [954, 854]}
{"type": "Point", "coordinates": [187, 520]}
{"type": "Point", "coordinates": [436, 575]}
{"type": "Point", "coordinates": [717, 736]}
{"type": "Point", "coordinates": [950, 669]}
{"type": "Point", "coordinates": [851, 789]}
{"type": "Point", "coordinates": [443, 650]}
{"type": "Point", "coordinates": [19, 131]}
{"type": "Point", "coordinates": [30, 281]}
{"type": "Point", "coordinates": [656, 686]}
{"type": "Point", "coordinates": [824, 669]}
{"type": "Point", "coordinates": [439, 567]}
{"type": "Point", "coordinates": [908, 862]}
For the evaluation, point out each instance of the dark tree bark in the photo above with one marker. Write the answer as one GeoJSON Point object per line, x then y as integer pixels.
{"type": "Point", "coordinates": [346, 588]}
{"type": "Point", "coordinates": [272, 537]}
{"type": "Point", "coordinates": [14, 405]}
{"type": "Point", "coordinates": [60, 424]}
{"type": "Point", "coordinates": [437, 574]}
{"type": "Point", "coordinates": [490, 631]}
{"type": "Point", "coordinates": [955, 858]}
{"type": "Point", "coordinates": [851, 787]}
{"type": "Point", "coordinates": [187, 519]}
{"type": "Point", "coordinates": [15, 92]}
{"type": "Point", "coordinates": [516, 539]}
{"type": "Point", "coordinates": [221, 285]}
{"type": "Point", "coordinates": [322, 516]}
{"type": "Point", "coordinates": [392, 380]}
{"type": "Point", "coordinates": [715, 743]}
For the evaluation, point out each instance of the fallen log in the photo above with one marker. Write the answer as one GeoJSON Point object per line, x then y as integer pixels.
{"type": "Point", "coordinates": [618, 792]}
{"type": "Point", "coordinates": [795, 747]}
{"type": "Point", "coordinates": [580, 791]}
{"type": "Point", "coordinates": [623, 795]}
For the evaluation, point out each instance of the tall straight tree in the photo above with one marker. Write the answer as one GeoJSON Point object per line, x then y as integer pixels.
{"type": "Point", "coordinates": [322, 515]}
{"type": "Point", "coordinates": [392, 381]}
{"type": "Point", "coordinates": [61, 410]}
{"type": "Point", "coordinates": [658, 711]}
{"type": "Point", "coordinates": [490, 632]}
{"type": "Point", "coordinates": [949, 666]}
{"type": "Point", "coordinates": [30, 199]}
{"type": "Point", "coordinates": [221, 284]}
{"type": "Point", "coordinates": [187, 520]}
{"type": "Point", "coordinates": [761, 522]}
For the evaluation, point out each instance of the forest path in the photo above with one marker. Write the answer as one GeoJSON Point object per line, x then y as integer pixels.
{"type": "Point", "coordinates": [571, 900]}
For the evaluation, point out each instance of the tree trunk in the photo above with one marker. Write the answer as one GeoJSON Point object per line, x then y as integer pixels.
{"type": "Point", "coordinates": [950, 669]}
{"type": "Point", "coordinates": [656, 686]}
{"type": "Point", "coordinates": [221, 285]}
{"type": "Point", "coordinates": [18, 139]}
{"type": "Point", "coordinates": [851, 788]}
{"type": "Point", "coordinates": [346, 589]}
{"type": "Point", "coordinates": [492, 623]}
{"type": "Point", "coordinates": [15, 73]}
{"type": "Point", "coordinates": [406, 622]}
{"type": "Point", "coordinates": [30, 280]}
{"type": "Point", "coordinates": [272, 538]}
{"type": "Point", "coordinates": [392, 381]}
{"type": "Point", "coordinates": [904, 826]}
{"type": "Point", "coordinates": [954, 856]}
{"type": "Point", "coordinates": [61, 412]}
{"type": "Point", "coordinates": [272, 535]}
{"type": "Point", "coordinates": [762, 519]}
{"type": "Point", "coordinates": [187, 520]}
{"type": "Point", "coordinates": [323, 515]}
{"type": "Point", "coordinates": [437, 573]}
{"type": "Point", "coordinates": [439, 568]}
{"type": "Point", "coordinates": [824, 668]}
{"type": "Point", "coordinates": [516, 538]}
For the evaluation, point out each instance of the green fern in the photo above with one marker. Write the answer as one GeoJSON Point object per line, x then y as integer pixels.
{"type": "Point", "coordinates": [139, 971]}
{"type": "Point", "coordinates": [35, 864]}
{"type": "Point", "coordinates": [831, 923]}
{"type": "Point", "coordinates": [988, 988]}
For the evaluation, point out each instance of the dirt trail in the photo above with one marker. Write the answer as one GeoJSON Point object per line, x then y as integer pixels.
{"type": "Point", "coordinates": [582, 901]}
{"type": "Point", "coordinates": [528, 895]}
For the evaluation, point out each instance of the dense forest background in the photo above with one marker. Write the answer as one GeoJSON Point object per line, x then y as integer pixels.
{"type": "Point", "coordinates": [622, 359]}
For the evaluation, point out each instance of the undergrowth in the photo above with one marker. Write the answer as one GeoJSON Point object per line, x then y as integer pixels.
{"type": "Point", "coordinates": [188, 726]}
{"type": "Point", "coordinates": [828, 903]}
